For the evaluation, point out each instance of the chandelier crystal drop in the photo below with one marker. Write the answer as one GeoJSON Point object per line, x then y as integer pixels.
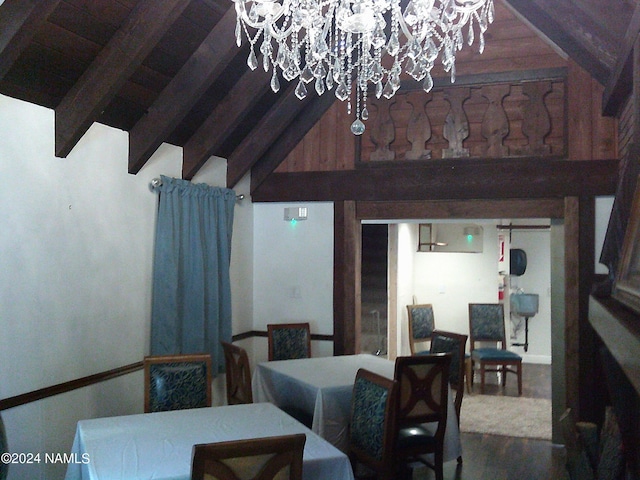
{"type": "Point", "coordinates": [349, 44]}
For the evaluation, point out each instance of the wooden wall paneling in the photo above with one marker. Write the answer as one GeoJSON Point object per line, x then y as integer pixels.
{"type": "Point", "coordinates": [344, 139]}
{"type": "Point", "coordinates": [605, 138]}
{"type": "Point", "coordinates": [312, 159]}
{"type": "Point", "coordinates": [328, 131]}
{"type": "Point", "coordinates": [346, 281]}
{"type": "Point", "coordinates": [580, 131]}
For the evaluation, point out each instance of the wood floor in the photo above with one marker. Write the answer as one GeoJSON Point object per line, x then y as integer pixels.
{"type": "Point", "coordinates": [494, 457]}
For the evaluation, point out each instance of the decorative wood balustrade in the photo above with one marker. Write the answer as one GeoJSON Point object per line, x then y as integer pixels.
{"type": "Point", "coordinates": [488, 121]}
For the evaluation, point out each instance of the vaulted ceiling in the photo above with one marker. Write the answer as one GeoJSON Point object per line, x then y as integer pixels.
{"type": "Point", "coordinates": [170, 71]}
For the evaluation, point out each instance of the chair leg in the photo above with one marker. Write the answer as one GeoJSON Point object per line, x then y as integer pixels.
{"type": "Point", "coordinates": [481, 377]}
{"type": "Point", "coordinates": [439, 465]}
{"type": "Point", "coordinates": [468, 364]}
{"type": "Point", "coordinates": [520, 378]}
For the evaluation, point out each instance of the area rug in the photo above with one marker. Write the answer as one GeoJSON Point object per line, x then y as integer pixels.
{"type": "Point", "coordinates": [509, 416]}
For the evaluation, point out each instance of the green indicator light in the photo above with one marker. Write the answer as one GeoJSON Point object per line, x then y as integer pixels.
{"type": "Point", "coordinates": [293, 222]}
{"type": "Point", "coordinates": [469, 238]}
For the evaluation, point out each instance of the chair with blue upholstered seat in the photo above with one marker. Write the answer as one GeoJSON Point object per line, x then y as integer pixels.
{"type": "Point", "coordinates": [488, 343]}
{"type": "Point", "coordinates": [421, 326]}
{"type": "Point", "coordinates": [289, 341]}
{"type": "Point", "coordinates": [371, 427]}
{"type": "Point", "coordinates": [423, 393]}
{"type": "Point", "coordinates": [176, 382]}
{"type": "Point", "coordinates": [266, 458]}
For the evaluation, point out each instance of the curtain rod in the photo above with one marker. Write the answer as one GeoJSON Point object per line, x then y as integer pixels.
{"type": "Point", "coordinates": [156, 182]}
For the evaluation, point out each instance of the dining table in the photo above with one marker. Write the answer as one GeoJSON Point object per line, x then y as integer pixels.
{"type": "Point", "coordinates": [159, 445]}
{"type": "Point", "coordinates": [322, 387]}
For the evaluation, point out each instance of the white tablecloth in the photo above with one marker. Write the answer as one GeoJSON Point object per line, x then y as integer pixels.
{"type": "Point", "coordinates": [159, 445]}
{"type": "Point", "coordinates": [322, 386]}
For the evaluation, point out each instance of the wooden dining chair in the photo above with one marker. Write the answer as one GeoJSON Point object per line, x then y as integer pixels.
{"type": "Point", "coordinates": [423, 392]}
{"type": "Point", "coordinates": [175, 382]}
{"type": "Point", "coordinates": [371, 426]}
{"type": "Point", "coordinates": [289, 341]}
{"type": "Point", "coordinates": [238, 373]}
{"type": "Point", "coordinates": [421, 325]}
{"type": "Point", "coordinates": [267, 458]}
{"type": "Point", "coordinates": [486, 326]}
{"type": "Point", "coordinates": [455, 344]}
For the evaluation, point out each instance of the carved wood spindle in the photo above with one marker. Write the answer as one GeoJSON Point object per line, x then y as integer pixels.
{"type": "Point", "coordinates": [536, 122]}
{"type": "Point", "coordinates": [456, 125]}
{"type": "Point", "coordinates": [495, 124]}
{"type": "Point", "coordinates": [383, 132]}
{"type": "Point", "coordinates": [418, 129]}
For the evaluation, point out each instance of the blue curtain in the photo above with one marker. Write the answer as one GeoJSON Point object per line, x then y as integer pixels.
{"type": "Point", "coordinates": [191, 309]}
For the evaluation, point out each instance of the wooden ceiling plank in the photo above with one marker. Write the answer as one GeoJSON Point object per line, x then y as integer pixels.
{"type": "Point", "coordinates": [113, 66]}
{"type": "Point", "coordinates": [618, 88]}
{"type": "Point", "coordinates": [264, 134]}
{"type": "Point", "coordinates": [184, 90]}
{"type": "Point", "coordinates": [556, 30]}
{"type": "Point", "coordinates": [19, 23]}
{"type": "Point", "coordinates": [447, 180]}
{"type": "Point", "coordinates": [290, 138]}
{"type": "Point", "coordinates": [224, 119]}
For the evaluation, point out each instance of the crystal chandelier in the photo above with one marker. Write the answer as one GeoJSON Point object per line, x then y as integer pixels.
{"type": "Point", "coordinates": [342, 42]}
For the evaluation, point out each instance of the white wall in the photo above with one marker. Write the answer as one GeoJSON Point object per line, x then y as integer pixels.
{"type": "Point", "coordinates": [536, 279]}
{"type": "Point", "coordinates": [76, 260]}
{"type": "Point", "coordinates": [293, 271]}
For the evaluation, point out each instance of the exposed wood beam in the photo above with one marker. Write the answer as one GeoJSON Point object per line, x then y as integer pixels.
{"type": "Point", "coordinates": [290, 138]}
{"type": "Point", "coordinates": [618, 87]}
{"type": "Point", "coordinates": [510, 208]}
{"type": "Point", "coordinates": [185, 89]}
{"type": "Point", "coordinates": [113, 66]}
{"type": "Point", "coordinates": [555, 28]}
{"type": "Point", "coordinates": [265, 133]}
{"type": "Point", "coordinates": [227, 115]}
{"type": "Point", "coordinates": [19, 22]}
{"type": "Point", "coordinates": [447, 180]}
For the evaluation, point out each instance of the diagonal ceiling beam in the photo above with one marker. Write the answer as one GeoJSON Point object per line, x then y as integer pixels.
{"type": "Point", "coordinates": [116, 62]}
{"type": "Point", "coordinates": [619, 86]}
{"type": "Point", "coordinates": [224, 119]}
{"type": "Point", "coordinates": [264, 134]}
{"type": "Point", "coordinates": [19, 22]}
{"type": "Point", "coordinates": [304, 122]}
{"type": "Point", "coordinates": [180, 95]}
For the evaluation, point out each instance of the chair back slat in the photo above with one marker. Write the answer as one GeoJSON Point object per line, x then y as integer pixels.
{"type": "Point", "coordinates": [267, 458]}
{"type": "Point", "coordinates": [238, 373]}
{"type": "Point", "coordinates": [423, 385]}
